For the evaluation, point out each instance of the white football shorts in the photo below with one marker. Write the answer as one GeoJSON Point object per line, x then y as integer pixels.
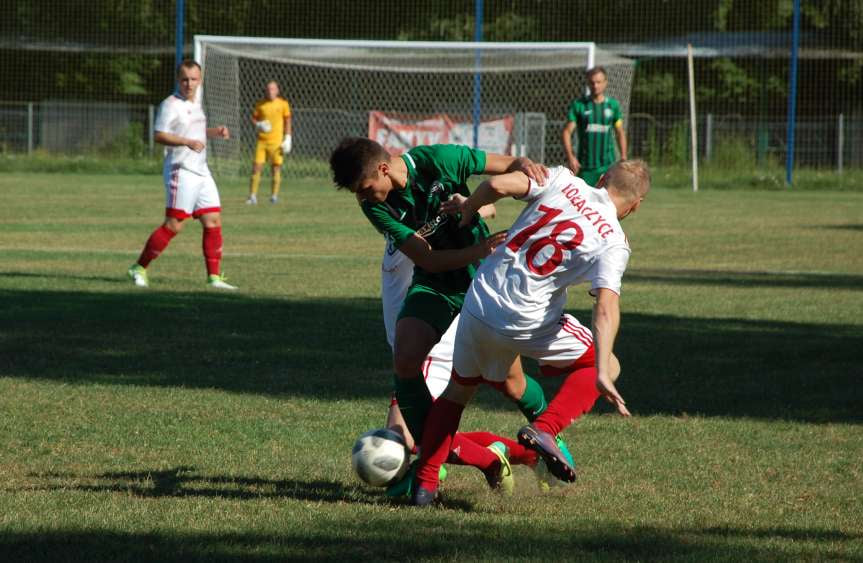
{"type": "Point", "coordinates": [397, 271]}
{"type": "Point", "coordinates": [437, 367]}
{"type": "Point", "coordinates": [481, 352]}
{"type": "Point", "coordinates": [188, 194]}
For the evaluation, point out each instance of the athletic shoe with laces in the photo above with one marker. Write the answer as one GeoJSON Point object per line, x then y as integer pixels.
{"type": "Point", "coordinates": [274, 199]}
{"type": "Point", "coordinates": [500, 478]}
{"type": "Point", "coordinates": [219, 281]}
{"type": "Point", "coordinates": [253, 200]}
{"type": "Point", "coordinates": [405, 485]}
{"type": "Point", "coordinates": [138, 275]}
{"type": "Point", "coordinates": [423, 497]}
{"type": "Point", "coordinates": [564, 450]}
{"type": "Point", "coordinates": [546, 446]}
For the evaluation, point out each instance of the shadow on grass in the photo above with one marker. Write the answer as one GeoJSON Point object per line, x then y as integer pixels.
{"type": "Point", "coordinates": [423, 536]}
{"type": "Point", "coordinates": [747, 279]}
{"type": "Point", "coordinates": [849, 227]}
{"type": "Point", "coordinates": [65, 277]}
{"type": "Point", "coordinates": [335, 349]}
{"type": "Point", "coordinates": [185, 482]}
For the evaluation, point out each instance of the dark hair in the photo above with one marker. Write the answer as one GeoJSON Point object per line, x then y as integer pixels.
{"type": "Point", "coordinates": [596, 70]}
{"type": "Point", "coordinates": [354, 159]}
{"type": "Point", "coordinates": [187, 64]}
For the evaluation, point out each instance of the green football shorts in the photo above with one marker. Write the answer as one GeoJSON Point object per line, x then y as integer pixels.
{"type": "Point", "coordinates": [592, 175]}
{"type": "Point", "coordinates": [432, 306]}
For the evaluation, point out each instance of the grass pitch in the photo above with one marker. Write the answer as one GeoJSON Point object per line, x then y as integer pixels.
{"type": "Point", "coordinates": [176, 423]}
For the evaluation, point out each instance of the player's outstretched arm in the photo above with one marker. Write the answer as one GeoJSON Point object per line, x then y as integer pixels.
{"type": "Point", "coordinates": [501, 164]}
{"type": "Point", "coordinates": [514, 184]}
{"type": "Point", "coordinates": [606, 321]}
{"type": "Point", "coordinates": [417, 249]}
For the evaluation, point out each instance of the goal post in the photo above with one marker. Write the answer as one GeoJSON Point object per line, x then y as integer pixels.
{"type": "Point", "coordinates": [403, 92]}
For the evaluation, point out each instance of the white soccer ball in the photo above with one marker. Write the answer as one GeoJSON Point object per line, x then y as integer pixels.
{"type": "Point", "coordinates": [380, 457]}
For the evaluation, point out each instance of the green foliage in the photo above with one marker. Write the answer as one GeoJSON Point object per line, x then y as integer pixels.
{"type": "Point", "coordinates": [652, 147]}
{"type": "Point", "coordinates": [676, 148]}
{"type": "Point", "coordinates": [129, 143]}
{"type": "Point", "coordinates": [733, 152]}
{"type": "Point", "coordinates": [93, 163]}
{"type": "Point", "coordinates": [734, 83]}
{"type": "Point", "coordinates": [851, 74]}
{"type": "Point", "coordinates": [509, 26]}
{"type": "Point", "coordinates": [660, 87]}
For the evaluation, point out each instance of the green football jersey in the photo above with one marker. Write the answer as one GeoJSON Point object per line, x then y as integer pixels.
{"type": "Point", "coordinates": [595, 130]}
{"type": "Point", "coordinates": [435, 172]}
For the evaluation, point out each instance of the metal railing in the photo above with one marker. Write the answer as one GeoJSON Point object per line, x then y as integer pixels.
{"type": "Point", "coordinates": [833, 142]}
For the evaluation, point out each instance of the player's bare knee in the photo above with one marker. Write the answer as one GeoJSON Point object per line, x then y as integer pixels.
{"type": "Point", "coordinates": [514, 385]}
{"type": "Point", "coordinates": [174, 224]}
{"type": "Point", "coordinates": [459, 393]}
{"type": "Point", "coordinates": [211, 220]}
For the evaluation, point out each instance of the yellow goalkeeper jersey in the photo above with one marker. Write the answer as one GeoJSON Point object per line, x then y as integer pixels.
{"type": "Point", "coordinates": [274, 111]}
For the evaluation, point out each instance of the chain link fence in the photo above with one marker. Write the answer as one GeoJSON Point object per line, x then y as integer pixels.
{"type": "Point", "coordinates": [82, 78]}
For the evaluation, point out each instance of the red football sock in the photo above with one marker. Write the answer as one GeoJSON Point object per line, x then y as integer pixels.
{"type": "Point", "coordinates": [212, 243]}
{"type": "Point", "coordinates": [440, 427]}
{"type": "Point", "coordinates": [157, 242]}
{"type": "Point", "coordinates": [518, 454]}
{"type": "Point", "coordinates": [466, 452]}
{"type": "Point", "coordinates": [574, 398]}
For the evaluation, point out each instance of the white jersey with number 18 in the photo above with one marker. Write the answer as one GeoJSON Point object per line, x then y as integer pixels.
{"type": "Point", "coordinates": [567, 234]}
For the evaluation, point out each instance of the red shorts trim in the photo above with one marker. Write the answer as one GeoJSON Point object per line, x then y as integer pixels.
{"type": "Point", "coordinates": [198, 212]}
{"type": "Point", "coordinates": [466, 381]}
{"type": "Point", "coordinates": [587, 360]}
{"type": "Point", "coordinates": [176, 213]}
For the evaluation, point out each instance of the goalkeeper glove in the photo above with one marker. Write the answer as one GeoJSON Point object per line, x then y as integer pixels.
{"type": "Point", "coordinates": [263, 126]}
{"type": "Point", "coordinates": [286, 144]}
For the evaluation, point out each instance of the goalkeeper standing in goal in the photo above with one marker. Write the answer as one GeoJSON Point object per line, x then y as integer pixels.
{"type": "Point", "coordinates": [597, 122]}
{"type": "Point", "coordinates": [272, 120]}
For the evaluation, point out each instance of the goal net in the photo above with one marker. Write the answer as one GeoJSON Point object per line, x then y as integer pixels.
{"type": "Point", "coordinates": [501, 97]}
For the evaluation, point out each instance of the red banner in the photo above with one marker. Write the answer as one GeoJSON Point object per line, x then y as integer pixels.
{"type": "Point", "coordinates": [398, 133]}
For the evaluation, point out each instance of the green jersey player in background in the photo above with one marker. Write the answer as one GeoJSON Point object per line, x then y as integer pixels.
{"type": "Point", "coordinates": [597, 122]}
{"type": "Point", "coordinates": [401, 197]}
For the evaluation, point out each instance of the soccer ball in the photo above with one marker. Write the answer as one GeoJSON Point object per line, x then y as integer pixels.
{"type": "Point", "coordinates": [380, 457]}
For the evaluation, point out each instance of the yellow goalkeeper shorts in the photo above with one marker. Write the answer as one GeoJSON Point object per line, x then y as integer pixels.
{"type": "Point", "coordinates": [268, 151]}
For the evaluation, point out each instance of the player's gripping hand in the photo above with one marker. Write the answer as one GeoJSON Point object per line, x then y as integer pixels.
{"type": "Point", "coordinates": [195, 145]}
{"type": "Point", "coordinates": [493, 241]}
{"type": "Point", "coordinates": [286, 144]}
{"type": "Point", "coordinates": [536, 172]}
{"type": "Point", "coordinates": [263, 126]}
{"type": "Point", "coordinates": [573, 163]}
{"type": "Point", "coordinates": [454, 205]}
{"type": "Point", "coordinates": [606, 386]}
{"type": "Point", "coordinates": [222, 132]}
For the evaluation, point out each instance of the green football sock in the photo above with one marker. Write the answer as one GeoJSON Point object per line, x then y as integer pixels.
{"type": "Point", "coordinates": [415, 401]}
{"type": "Point", "coordinates": [532, 402]}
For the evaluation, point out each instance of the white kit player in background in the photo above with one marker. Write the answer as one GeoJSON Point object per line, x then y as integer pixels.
{"type": "Point", "coordinates": [190, 190]}
{"type": "Point", "coordinates": [569, 233]}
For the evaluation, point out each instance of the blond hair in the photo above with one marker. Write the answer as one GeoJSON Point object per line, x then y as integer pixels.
{"type": "Point", "coordinates": [629, 178]}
